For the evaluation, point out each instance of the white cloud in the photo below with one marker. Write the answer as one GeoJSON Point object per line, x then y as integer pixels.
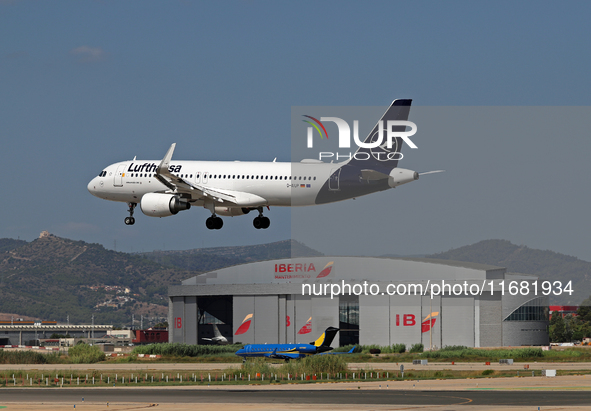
{"type": "Point", "coordinates": [87, 54]}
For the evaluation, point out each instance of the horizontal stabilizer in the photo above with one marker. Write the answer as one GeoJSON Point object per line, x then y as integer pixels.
{"type": "Point", "coordinates": [373, 175]}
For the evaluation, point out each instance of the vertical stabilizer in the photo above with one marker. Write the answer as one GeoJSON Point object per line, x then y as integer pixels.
{"type": "Point", "coordinates": [326, 338]}
{"type": "Point", "coordinates": [382, 158]}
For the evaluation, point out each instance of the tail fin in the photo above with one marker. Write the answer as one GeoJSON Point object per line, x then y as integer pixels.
{"type": "Point", "coordinates": [216, 331]}
{"type": "Point", "coordinates": [382, 158]}
{"type": "Point", "coordinates": [326, 338]}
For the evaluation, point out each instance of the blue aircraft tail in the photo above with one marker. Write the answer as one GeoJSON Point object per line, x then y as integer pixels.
{"type": "Point", "coordinates": [323, 342]}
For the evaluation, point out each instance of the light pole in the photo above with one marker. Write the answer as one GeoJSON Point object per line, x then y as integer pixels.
{"type": "Point", "coordinates": [431, 327]}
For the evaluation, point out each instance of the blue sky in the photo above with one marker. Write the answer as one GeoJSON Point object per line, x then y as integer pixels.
{"type": "Point", "coordinates": [89, 83]}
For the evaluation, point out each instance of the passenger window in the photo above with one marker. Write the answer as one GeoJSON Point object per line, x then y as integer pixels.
{"type": "Point", "coordinates": [314, 178]}
{"type": "Point", "coordinates": [280, 177]}
{"type": "Point", "coordinates": [300, 178]}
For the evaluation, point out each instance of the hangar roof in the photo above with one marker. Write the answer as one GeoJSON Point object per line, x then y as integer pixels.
{"type": "Point", "coordinates": [454, 263]}
{"type": "Point", "coordinates": [329, 269]}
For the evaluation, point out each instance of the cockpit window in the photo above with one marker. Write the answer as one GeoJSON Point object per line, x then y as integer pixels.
{"type": "Point", "coordinates": [102, 173]}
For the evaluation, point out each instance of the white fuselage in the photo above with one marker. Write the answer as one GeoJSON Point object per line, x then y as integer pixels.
{"type": "Point", "coordinates": [281, 184]}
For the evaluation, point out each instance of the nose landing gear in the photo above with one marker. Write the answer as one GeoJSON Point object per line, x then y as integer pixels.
{"type": "Point", "coordinates": [261, 221]}
{"type": "Point", "coordinates": [130, 220]}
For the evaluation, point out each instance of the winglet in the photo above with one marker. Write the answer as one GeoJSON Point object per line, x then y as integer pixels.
{"type": "Point", "coordinates": [165, 163]}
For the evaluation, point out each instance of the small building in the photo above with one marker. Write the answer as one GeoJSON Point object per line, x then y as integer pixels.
{"type": "Point", "coordinates": [150, 336]}
{"type": "Point", "coordinates": [563, 310]}
{"type": "Point", "coordinates": [30, 334]}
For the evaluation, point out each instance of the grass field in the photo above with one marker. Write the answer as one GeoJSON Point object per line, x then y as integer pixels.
{"type": "Point", "coordinates": [244, 376]}
{"type": "Point", "coordinates": [182, 353]}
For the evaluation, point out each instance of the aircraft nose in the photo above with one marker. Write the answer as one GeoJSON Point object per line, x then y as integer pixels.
{"type": "Point", "coordinates": [92, 186]}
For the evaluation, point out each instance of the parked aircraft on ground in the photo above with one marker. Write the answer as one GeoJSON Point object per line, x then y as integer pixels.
{"type": "Point", "coordinates": [218, 338]}
{"type": "Point", "coordinates": [292, 351]}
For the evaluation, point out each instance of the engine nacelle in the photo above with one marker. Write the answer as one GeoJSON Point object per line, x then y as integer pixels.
{"type": "Point", "coordinates": [399, 176]}
{"type": "Point", "coordinates": [162, 205]}
{"type": "Point", "coordinates": [231, 211]}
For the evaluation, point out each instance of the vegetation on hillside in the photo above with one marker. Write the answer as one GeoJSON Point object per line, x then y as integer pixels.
{"type": "Point", "coordinates": [208, 259]}
{"type": "Point", "coordinates": [51, 277]}
{"type": "Point", "coordinates": [548, 265]}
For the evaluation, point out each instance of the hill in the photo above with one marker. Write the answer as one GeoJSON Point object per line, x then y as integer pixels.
{"type": "Point", "coordinates": [51, 277]}
{"type": "Point", "coordinates": [548, 265]}
{"type": "Point", "coordinates": [207, 259]}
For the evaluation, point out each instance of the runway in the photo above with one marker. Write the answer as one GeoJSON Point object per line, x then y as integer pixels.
{"type": "Point", "coordinates": [297, 397]}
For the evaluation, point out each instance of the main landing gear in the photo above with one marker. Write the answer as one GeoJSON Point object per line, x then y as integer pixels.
{"type": "Point", "coordinates": [214, 222]}
{"type": "Point", "coordinates": [261, 221]}
{"type": "Point", "coordinates": [130, 220]}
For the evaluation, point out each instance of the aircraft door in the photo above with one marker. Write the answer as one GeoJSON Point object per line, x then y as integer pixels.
{"type": "Point", "coordinates": [333, 181]}
{"type": "Point", "coordinates": [197, 176]}
{"type": "Point", "coordinates": [205, 177]}
{"type": "Point", "coordinates": [118, 178]}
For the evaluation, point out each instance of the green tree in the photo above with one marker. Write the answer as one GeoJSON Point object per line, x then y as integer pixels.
{"type": "Point", "coordinates": [584, 311]}
{"type": "Point", "coordinates": [570, 327]}
{"type": "Point", "coordinates": [557, 328]}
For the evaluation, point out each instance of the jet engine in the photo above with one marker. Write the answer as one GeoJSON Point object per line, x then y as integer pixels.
{"type": "Point", "coordinates": [162, 205]}
{"type": "Point", "coordinates": [231, 211]}
{"type": "Point", "coordinates": [399, 176]}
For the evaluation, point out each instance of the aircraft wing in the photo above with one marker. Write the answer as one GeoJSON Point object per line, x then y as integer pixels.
{"type": "Point", "coordinates": [182, 185]}
{"type": "Point", "coordinates": [283, 355]}
{"type": "Point", "coordinates": [338, 353]}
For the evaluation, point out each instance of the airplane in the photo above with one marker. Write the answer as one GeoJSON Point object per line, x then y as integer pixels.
{"type": "Point", "coordinates": [218, 337]}
{"type": "Point", "coordinates": [234, 188]}
{"type": "Point", "coordinates": [292, 351]}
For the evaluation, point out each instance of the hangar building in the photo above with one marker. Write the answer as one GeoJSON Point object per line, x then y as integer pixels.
{"type": "Point", "coordinates": [283, 301]}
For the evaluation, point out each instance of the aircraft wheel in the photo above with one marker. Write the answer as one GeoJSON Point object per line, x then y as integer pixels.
{"type": "Point", "coordinates": [210, 223]}
{"type": "Point", "coordinates": [266, 222]}
{"type": "Point", "coordinates": [129, 221]}
{"type": "Point", "coordinates": [257, 223]}
{"type": "Point", "coordinates": [219, 223]}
